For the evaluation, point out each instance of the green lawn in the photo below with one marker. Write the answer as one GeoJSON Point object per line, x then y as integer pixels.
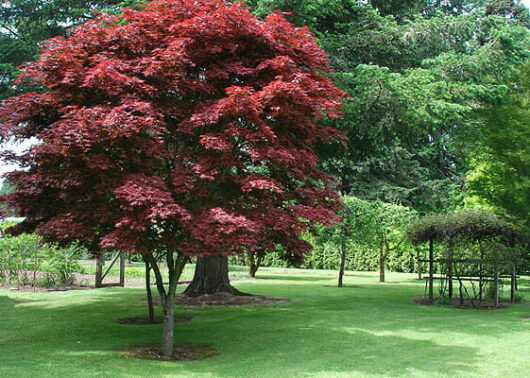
{"type": "Point", "coordinates": [364, 329]}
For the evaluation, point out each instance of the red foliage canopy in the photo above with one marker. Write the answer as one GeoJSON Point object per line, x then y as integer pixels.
{"type": "Point", "coordinates": [187, 125]}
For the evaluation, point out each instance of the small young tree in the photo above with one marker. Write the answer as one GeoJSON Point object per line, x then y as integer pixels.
{"type": "Point", "coordinates": [181, 129]}
{"type": "Point", "coordinates": [374, 224]}
{"type": "Point", "coordinates": [254, 258]}
{"type": "Point", "coordinates": [390, 222]}
{"type": "Point", "coordinates": [379, 225]}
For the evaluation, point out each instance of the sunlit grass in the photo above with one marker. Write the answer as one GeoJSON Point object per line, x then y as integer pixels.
{"type": "Point", "coordinates": [363, 329]}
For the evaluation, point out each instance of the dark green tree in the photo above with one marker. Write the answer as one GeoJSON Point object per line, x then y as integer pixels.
{"type": "Point", "coordinates": [25, 23]}
{"type": "Point", "coordinates": [417, 72]}
{"type": "Point", "coordinates": [500, 175]}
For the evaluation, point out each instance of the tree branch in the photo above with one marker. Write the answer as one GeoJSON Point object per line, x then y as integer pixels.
{"type": "Point", "coordinates": [159, 281]}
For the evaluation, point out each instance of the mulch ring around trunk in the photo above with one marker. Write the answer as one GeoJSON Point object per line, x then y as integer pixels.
{"type": "Point", "coordinates": [182, 352]}
{"type": "Point", "coordinates": [143, 320]}
{"type": "Point", "coordinates": [221, 299]}
{"type": "Point", "coordinates": [486, 304]}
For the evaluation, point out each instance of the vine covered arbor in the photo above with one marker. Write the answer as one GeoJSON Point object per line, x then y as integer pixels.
{"type": "Point", "coordinates": [479, 250]}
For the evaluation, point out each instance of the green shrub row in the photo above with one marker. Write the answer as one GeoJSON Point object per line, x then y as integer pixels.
{"type": "Point", "coordinates": [358, 258]}
{"type": "Point", "coordinates": [19, 254]}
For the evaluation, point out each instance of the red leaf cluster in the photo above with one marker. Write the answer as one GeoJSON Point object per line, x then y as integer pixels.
{"type": "Point", "coordinates": [187, 125]}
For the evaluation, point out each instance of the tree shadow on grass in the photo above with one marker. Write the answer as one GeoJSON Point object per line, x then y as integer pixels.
{"type": "Point", "coordinates": [304, 352]}
{"type": "Point", "coordinates": [292, 345]}
{"type": "Point", "coordinates": [344, 286]}
{"type": "Point", "coordinates": [323, 338]}
{"type": "Point", "coordinates": [6, 303]}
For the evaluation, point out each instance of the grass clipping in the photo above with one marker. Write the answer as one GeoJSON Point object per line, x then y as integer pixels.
{"type": "Point", "coordinates": [182, 352]}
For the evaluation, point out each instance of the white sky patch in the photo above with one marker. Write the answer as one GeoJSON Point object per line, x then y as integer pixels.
{"type": "Point", "coordinates": [18, 148]}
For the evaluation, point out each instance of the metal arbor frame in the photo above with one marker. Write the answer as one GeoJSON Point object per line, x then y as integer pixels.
{"type": "Point", "coordinates": [451, 276]}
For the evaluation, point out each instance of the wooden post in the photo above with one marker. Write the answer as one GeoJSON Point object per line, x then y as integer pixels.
{"type": "Point", "coordinates": [480, 272]}
{"type": "Point", "coordinates": [100, 262]}
{"type": "Point", "coordinates": [18, 254]}
{"type": "Point", "coordinates": [431, 271]}
{"type": "Point", "coordinates": [480, 283]}
{"type": "Point", "coordinates": [35, 265]}
{"type": "Point", "coordinates": [496, 285]}
{"type": "Point", "coordinates": [122, 269]}
{"type": "Point", "coordinates": [460, 290]}
{"type": "Point", "coordinates": [4, 273]}
{"type": "Point", "coordinates": [419, 263]}
{"type": "Point", "coordinates": [450, 270]}
{"type": "Point", "coordinates": [512, 288]}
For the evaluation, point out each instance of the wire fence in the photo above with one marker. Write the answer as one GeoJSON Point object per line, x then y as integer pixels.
{"type": "Point", "coordinates": [28, 263]}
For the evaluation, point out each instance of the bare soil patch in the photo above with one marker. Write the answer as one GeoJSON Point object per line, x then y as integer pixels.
{"type": "Point", "coordinates": [222, 299]}
{"type": "Point", "coordinates": [143, 320]}
{"type": "Point", "coordinates": [467, 304]}
{"type": "Point", "coordinates": [183, 352]}
{"type": "Point", "coordinates": [525, 316]}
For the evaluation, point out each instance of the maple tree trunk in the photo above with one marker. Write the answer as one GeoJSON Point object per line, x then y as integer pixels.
{"type": "Point", "coordinates": [167, 298]}
{"type": "Point", "coordinates": [211, 277]}
{"type": "Point", "coordinates": [149, 293]}
{"type": "Point", "coordinates": [168, 341]}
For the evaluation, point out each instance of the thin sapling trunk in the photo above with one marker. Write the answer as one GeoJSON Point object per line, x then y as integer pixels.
{"type": "Point", "coordinates": [254, 262]}
{"type": "Point", "coordinates": [175, 268]}
{"type": "Point", "coordinates": [342, 261]}
{"type": "Point", "coordinates": [384, 250]}
{"type": "Point", "coordinates": [382, 258]}
{"type": "Point", "coordinates": [148, 289]}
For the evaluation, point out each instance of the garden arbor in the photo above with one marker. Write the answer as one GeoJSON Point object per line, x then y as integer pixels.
{"type": "Point", "coordinates": [175, 130]}
{"type": "Point", "coordinates": [498, 245]}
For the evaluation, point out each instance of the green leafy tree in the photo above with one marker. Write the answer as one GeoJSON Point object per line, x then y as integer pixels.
{"type": "Point", "coordinates": [417, 72]}
{"type": "Point", "coordinates": [25, 23]}
{"type": "Point", "coordinates": [500, 175]}
{"type": "Point", "coordinates": [406, 125]}
{"type": "Point", "coordinates": [377, 225]}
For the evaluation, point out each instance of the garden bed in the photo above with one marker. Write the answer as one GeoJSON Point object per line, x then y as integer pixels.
{"type": "Point", "coordinates": [144, 320]}
{"type": "Point", "coordinates": [182, 352]}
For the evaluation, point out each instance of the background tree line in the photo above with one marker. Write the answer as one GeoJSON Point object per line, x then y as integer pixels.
{"type": "Point", "coordinates": [438, 108]}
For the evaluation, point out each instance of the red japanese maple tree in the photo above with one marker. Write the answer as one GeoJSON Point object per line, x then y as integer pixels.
{"type": "Point", "coordinates": [181, 129]}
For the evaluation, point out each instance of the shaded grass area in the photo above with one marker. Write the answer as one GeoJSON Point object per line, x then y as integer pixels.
{"type": "Point", "coordinates": [363, 329]}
